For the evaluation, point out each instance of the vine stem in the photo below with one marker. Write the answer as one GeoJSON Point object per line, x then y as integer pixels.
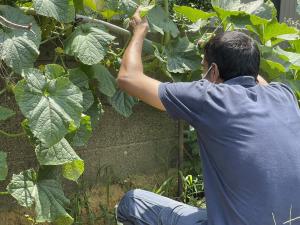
{"type": "Point", "coordinates": [5, 22]}
{"type": "Point", "coordinates": [4, 193]}
{"type": "Point", "coordinates": [2, 91]}
{"type": "Point", "coordinates": [11, 135]}
{"type": "Point", "coordinates": [49, 39]}
{"type": "Point", "coordinates": [63, 62]}
{"type": "Point", "coordinates": [167, 34]}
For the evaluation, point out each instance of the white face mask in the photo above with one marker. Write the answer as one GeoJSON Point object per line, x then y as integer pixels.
{"type": "Point", "coordinates": [208, 71]}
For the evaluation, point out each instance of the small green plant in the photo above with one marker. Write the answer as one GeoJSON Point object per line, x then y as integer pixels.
{"type": "Point", "coordinates": [193, 190]}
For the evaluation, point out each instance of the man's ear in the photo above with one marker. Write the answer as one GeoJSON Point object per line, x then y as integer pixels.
{"type": "Point", "coordinates": [215, 74]}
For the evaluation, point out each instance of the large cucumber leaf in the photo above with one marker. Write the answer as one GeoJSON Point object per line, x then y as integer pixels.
{"type": "Point", "coordinates": [61, 154]}
{"type": "Point", "coordinates": [49, 105]}
{"type": "Point", "coordinates": [123, 103]}
{"type": "Point", "coordinates": [240, 14]}
{"type": "Point", "coordinates": [5, 113]}
{"type": "Point", "coordinates": [89, 43]}
{"type": "Point", "coordinates": [81, 80]}
{"type": "Point", "coordinates": [226, 4]}
{"type": "Point", "coordinates": [94, 4]}
{"type": "Point", "coordinates": [18, 47]}
{"type": "Point", "coordinates": [57, 154]}
{"type": "Point", "coordinates": [182, 56]}
{"type": "Point", "coordinates": [106, 83]}
{"type": "Point", "coordinates": [272, 69]}
{"type": "Point", "coordinates": [282, 31]}
{"type": "Point", "coordinates": [46, 194]}
{"type": "Point", "coordinates": [291, 57]}
{"type": "Point", "coordinates": [193, 14]}
{"type": "Point", "coordinates": [61, 10]}
{"type": "Point", "coordinates": [160, 22]}
{"type": "Point", "coordinates": [3, 166]}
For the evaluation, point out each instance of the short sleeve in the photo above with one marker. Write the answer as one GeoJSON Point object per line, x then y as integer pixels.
{"type": "Point", "coordinates": [183, 100]}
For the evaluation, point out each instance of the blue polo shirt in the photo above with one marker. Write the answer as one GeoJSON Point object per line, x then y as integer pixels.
{"type": "Point", "coordinates": [249, 137]}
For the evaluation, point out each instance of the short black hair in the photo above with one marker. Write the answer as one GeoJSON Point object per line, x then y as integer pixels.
{"type": "Point", "coordinates": [235, 53]}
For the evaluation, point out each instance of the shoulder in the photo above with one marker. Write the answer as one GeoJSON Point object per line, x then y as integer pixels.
{"type": "Point", "coordinates": [284, 89]}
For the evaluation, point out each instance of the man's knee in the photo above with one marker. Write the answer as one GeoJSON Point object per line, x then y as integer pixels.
{"type": "Point", "coordinates": [126, 206]}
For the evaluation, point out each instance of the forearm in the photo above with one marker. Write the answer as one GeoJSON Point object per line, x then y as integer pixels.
{"type": "Point", "coordinates": [131, 78]}
{"type": "Point", "coordinates": [132, 60]}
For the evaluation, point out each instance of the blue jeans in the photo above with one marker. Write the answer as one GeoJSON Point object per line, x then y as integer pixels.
{"type": "Point", "coordinates": [139, 207]}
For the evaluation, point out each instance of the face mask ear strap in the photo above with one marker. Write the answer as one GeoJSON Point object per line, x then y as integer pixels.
{"type": "Point", "coordinates": [208, 71]}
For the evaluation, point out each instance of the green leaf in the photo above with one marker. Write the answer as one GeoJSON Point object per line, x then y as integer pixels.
{"type": "Point", "coordinates": [3, 166]}
{"type": "Point", "coordinates": [277, 30]}
{"type": "Point", "coordinates": [123, 103]}
{"type": "Point", "coordinates": [193, 14]}
{"type": "Point", "coordinates": [79, 5]}
{"type": "Point", "coordinates": [109, 14]}
{"type": "Point", "coordinates": [49, 105]}
{"type": "Point", "coordinates": [61, 10]}
{"type": "Point", "coordinates": [88, 99]}
{"type": "Point", "coordinates": [106, 82]}
{"type": "Point", "coordinates": [159, 22]}
{"type": "Point", "coordinates": [61, 154]}
{"type": "Point", "coordinates": [272, 69]}
{"type": "Point", "coordinates": [5, 113]}
{"type": "Point", "coordinates": [291, 57]}
{"type": "Point", "coordinates": [46, 194]}
{"type": "Point", "coordinates": [53, 71]}
{"type": "Point", "coordinates": [195, 27]}
{"type": "Point", "coordinates": [241, 15]}
{"type": "Point", "coordinates": [295, 45]}
{"type": "Point", "coordinates": [95, 5]}
{"type": "Point", "coordinates": [127, 6]}
{"type": "Point", "coordinates": [73, 170]}
{"type": "Point", "coordinates": [89, 43]}
{"type": "Point", "coordinates": [80, 137]}
{"type": "Point", "coordinates": [226, 4]}
{"type": "Point", "coordinates": [144, 10]}
{"type": "Point", "coordinates": [58, 154]}
{"type": "Point", "coordinates": [81, 80]}
{"type": "Point", "coordinates": [18, 47]}
{"type": "Point", "coordinates": [260, 11]}
{"type": "Point", "coordinates": [182, 56]}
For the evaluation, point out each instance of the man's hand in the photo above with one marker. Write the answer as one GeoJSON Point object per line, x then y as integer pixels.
{"type": "Point", "coordinates": [261, 80]}
{"type": "Point", "coordinates": [140, 25]}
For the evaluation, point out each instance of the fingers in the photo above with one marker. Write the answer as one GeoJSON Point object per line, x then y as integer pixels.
{"type": "Point", "coordinates": [132, 23]}
{"type": "Point", "coordinates": [137, 12]}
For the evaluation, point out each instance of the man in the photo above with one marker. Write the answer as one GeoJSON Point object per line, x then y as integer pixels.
{"type": "Point", "coordinates": [248, 132]}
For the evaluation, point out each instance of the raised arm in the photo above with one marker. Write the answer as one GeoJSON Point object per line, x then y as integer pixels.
{"type": "Point", "coordinates": [131, 77]}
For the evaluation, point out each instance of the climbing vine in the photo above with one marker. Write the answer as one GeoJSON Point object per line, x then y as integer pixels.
{"type": "Point", "coordinates": [61, 104]}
